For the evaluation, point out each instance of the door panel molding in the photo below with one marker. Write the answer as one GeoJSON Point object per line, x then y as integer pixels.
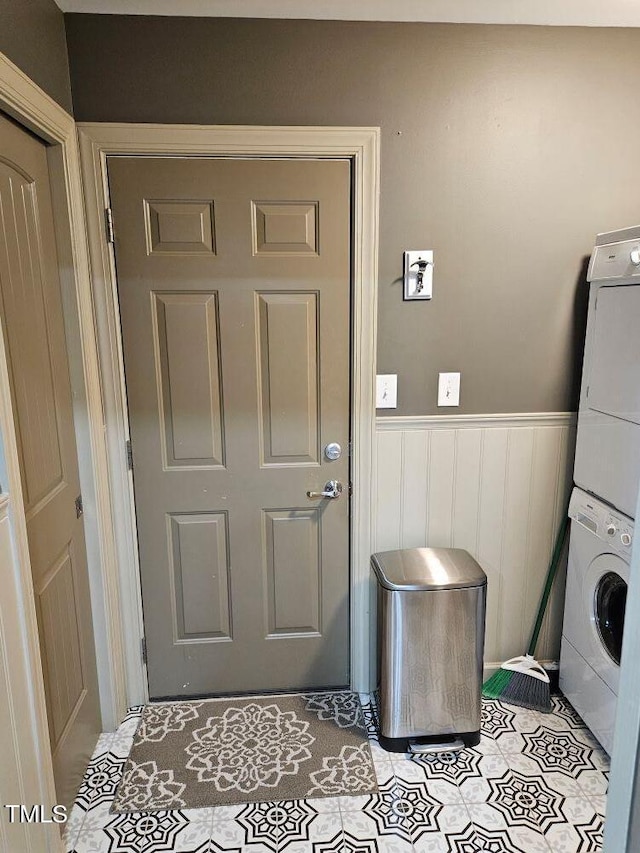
{"type": "Point", "coordinates": [288, 334]}
{"type": "Point", "coordinates": [361, 146]}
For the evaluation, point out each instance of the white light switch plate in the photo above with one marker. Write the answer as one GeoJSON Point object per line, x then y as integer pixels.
{"type": "Point", "coordinates": [386, 391]}
{"type": "Point", "coordinates": [448, 389]}
{"type": "Point", "coordinates": [418, 282]}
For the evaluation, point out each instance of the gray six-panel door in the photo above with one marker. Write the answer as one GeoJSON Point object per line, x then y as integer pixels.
{"type": "Point", "coordinates": [234, 292]}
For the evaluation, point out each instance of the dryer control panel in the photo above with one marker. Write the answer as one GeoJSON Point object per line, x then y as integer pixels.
{"type": "Point", "coordinates": [612, 527]}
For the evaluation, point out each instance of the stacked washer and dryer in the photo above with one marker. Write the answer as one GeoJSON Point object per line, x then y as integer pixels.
{"type": "Point", "coordinates": [607, 478]}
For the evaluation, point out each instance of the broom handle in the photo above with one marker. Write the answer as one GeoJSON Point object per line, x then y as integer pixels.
{"type": "Point", "coordinates": [551, 573]}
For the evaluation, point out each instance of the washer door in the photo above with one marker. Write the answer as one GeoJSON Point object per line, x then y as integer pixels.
{"type": "Point", "coordinates": [604, 596]}
{"type": "Point", "coordinates": [610, 602]}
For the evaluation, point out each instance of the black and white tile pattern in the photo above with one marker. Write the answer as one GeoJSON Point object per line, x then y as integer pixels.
{"type": "Point", "coordinates": [536, 783]}
{"type": "Point", "coordinates": [277, 825]}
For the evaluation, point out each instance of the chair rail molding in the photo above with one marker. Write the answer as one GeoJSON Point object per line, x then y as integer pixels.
{"type": "Point", "coordinates": [519, 419]}
{"type": "Point", "coordinates": [361, 145]}
{"type": "Point", "coordinates": [495, 485]}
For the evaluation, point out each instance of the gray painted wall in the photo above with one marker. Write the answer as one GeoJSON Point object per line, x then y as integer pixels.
{"type": "Point", "coordinates": [32, 36]}
{"type": "Point", "coordinates": [505, 149]}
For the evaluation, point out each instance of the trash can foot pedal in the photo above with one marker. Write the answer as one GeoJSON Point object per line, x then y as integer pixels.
{"type": "Point", "coordinates": [431, 748]}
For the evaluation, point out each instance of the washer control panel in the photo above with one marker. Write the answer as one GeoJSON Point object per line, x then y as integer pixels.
{"type": "Point", "coordinates": [615, 260]}
{"type": "Point", "coordinates": [619, 533]}
{"type": "Point", "coordinates": [612, 527]}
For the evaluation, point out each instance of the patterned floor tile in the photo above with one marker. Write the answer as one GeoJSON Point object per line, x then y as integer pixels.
{"type": "Point", "coordinates": [212, 846]}
{"type": "Point", "coordinates": [600, 805]}
{"type": "Point", "coordinates": [405, 809]}
{"type": "Point", "coordinates": [490, 821]}
{"type": "Point", "coordinates": [324, 805]}
{"type": "Point", "coordinates": [476, 788]}
{"type": "Point", "coordinates": [324, 827]}
{"type": "Point", "coordinates": [145, 833]}
{"type": "Point", "coordinates": [528, 720]}
{"type": "Point", "coordinates": [378, 752]}
{"type": "Point", "coordinates": [323, 830]}
{"type": "Point", "coordinates": [353, 804]}
{"type": "Point", "coordinates": [497, 719]}
{"type": "Point", "coordinates": [255, 848]}
{"type": "Point", "coordinates": [227, 833]}
{"type": "Point", "coordinates": [276, 825]}
{"type": "Point", "coordinates": [477, 839]}
{"type": "Point", "coordinates": [391, 844]}
{"type": "Point", "coordinates": [101, 779]}
{"type": "Point", "coordinates": [135, 712]}
{"type": "Point", "coordinates": [487, 746]}
{"type": "Point", "coordinates": [593, 783]}
{"type": "Point", "coordinates": [560, 784]}
{"type": "Point", "coordinates": [193, 837]}
{"type": "Point", "coordinates": [222, 814]}
{"type": "Point", "coordinates": [73, 826]}
{"type": "Point", "coordinates": [92, 837]}
{"type": "Point", "coordinates": [453, 819]}
{"type": "Point", "coordinates": [103, 744]}
{"type": "Point", "coordinates": [526, 801]}
{"type": "Point", "coordinates": [461, 834]}
{"type": "Point", "coordinates": [121, 744]}
{"type": "Point", "coordinates": [566, 752]}
{"type": "Point", "coordinates": [510, 742]}
{"type": "Point", "coordinates": [581, 831]}
{"type": "Point", "coordinates": [384, 767]}
{"type": "Point", "coordinates": [564, 711]}
{"type": "Point", "coordinates": [443, 791]}
{"type": "Point", "coordinates": [345, 842]}
{"type": "Point", "coordinates": [370, 719]}
{"type": "Point", "coordinates": [597, 754]}
{"type": "Point", "coordinates": [450, 766]}
{"type": "Point", "coordinates": [360, 824]}
{"type": "Point", "coordinates": [434, 842]}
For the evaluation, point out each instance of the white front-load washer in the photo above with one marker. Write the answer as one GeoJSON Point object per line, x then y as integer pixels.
{"type": "Point", "coordinates": [597, 578]}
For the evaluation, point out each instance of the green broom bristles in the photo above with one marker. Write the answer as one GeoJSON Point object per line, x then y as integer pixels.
{"type": "Point", "coordinates": [494, 686]}
{"type": "Point", "coordinates": [520, 681]}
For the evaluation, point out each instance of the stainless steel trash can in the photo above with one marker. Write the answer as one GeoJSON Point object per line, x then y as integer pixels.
{"type": "Point", "coordinates": [431, 616]}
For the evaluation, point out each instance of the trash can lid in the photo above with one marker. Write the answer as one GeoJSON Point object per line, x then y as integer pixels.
{"type": "Point", "coordinates": [427, 568]}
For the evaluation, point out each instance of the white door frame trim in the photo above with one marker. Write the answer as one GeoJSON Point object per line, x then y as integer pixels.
{"type": "Point", "coordinates": [362, 146]}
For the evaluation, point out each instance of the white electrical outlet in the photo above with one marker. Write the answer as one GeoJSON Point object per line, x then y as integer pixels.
{"type": "Point", "coordinates": [448, 389]}
{"type": "Point", "coordinates": [386, 391]}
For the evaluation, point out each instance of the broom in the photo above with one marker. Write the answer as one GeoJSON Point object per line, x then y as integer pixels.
{"type": "Point", "coordinates": [521, 680]}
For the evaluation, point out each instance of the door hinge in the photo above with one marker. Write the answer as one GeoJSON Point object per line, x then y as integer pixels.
{"type": "Point", "coordinates": [350, 489]}
{"type": "Point", "coordinates": [143, 649]}
{"type": "Point", "coordinates": [79, 507]}
{"type": "Point", "coordinates": [129, 451]}
{"type": "Point", "coordinates": [108, 225]}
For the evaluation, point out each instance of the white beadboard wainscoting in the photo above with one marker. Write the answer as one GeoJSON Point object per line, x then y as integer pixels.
{"type": "Point", "coordinates": [496, 485]}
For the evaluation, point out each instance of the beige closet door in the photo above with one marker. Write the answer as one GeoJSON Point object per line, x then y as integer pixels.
{"type": "Point", "coordinates": [33, 327]}
{"type": "Point", "coordinates": [234, 289]}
